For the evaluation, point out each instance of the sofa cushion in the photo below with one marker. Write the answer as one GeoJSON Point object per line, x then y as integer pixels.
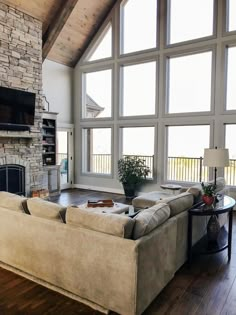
{"type": "Point", "coordinates": [179, 203]}
{"type": "Point", "coordinates": [148, 219]}
{"type": "Point", "coordinates": [114, 224]}
{"type": "Point", "coordinates": [149, 199]}
{"type": "Point", "coordinates": [12, 201]}
{"type": "Point", "coordinates": [45, 209]}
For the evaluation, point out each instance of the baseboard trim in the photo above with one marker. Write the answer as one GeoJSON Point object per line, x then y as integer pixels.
{"type": "Point", "coordinates": [98, 188]}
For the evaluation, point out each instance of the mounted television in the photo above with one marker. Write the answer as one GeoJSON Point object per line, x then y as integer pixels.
{"type": "Point", "coordinates": [16, 109]}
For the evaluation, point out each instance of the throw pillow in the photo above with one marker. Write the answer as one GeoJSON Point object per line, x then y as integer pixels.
{"type": "Point", "coordinates": [11, 201]}
{"type": "Point", "coordinates": [148, 219]}
{"type": "Point", "coordinates": [45, 209]}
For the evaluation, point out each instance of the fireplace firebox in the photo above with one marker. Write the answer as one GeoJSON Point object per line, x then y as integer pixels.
{"type": "Point", "coordinates": [12, 178]}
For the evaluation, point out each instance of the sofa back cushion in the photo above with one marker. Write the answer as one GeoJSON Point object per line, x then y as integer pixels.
{"type": "Point", "coordinates": [148, 219]}
{"type": "Point", "coordinates": [45, 209]}
{"type": "Point", "coordinates": [114, 224]}
{"type": "Point", "coordinates": [179, 203]}
{"type": "Point", "coordinates": [12, 201]}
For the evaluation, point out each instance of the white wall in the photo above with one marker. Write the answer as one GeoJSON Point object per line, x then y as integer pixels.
{"type": "Point", "coordinates": [57, 87]}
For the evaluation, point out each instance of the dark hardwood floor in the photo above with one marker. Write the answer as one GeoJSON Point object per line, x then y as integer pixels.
{"type": "Point", "coordinates": [208, 287]}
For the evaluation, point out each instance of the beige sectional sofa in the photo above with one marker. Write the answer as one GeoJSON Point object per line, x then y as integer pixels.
{"type": "Point", "coordinates": [108, 261]}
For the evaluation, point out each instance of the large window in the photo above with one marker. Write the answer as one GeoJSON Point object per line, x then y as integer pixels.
{"type": "Point", "coordinates": [230, 172]}
{"type": "Point", "coordinates": [163, 68]}
{"type": "Point", "coordinates": [97, 150]}
{"type": "Point", "coordinates": [139, 141]}
{"type": "Point", "coordinates": [189, 88]}
{"type": "Point", "coordinates": [186, 146]}
{"type": "Point", "coordinates": [231, 15]}
{"type": "Point", "coordinates": [97, 99]}
{"type": "Point", "coordinates": [138, 87]}
{"type": "Point", "coordinates": [138, 25]}
{"type": "Point", "coordinates": [231, 79]}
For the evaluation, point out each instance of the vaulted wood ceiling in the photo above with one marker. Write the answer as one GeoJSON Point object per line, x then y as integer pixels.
{"type": "Point", "coordinates": [68, 25]}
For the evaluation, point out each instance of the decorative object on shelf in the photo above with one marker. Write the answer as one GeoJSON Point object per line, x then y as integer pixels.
{"type": "Point", "coordinates": [213, 229]}
{"type": "Point", "coordinates": [216, 158]}
{"type": "Point", "coordinates": [100, 203]}
{"type": "Point", "coordinates": [208, 196]}
{"type": "Point", "coordinates": [132, 172]}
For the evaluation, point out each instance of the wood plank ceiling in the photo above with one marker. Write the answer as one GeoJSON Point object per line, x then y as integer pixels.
{"type": "Point", "coordinates": [68, 25]}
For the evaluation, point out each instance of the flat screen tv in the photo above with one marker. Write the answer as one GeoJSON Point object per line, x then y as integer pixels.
{"type": "Point", "coordinates": [16, 109]}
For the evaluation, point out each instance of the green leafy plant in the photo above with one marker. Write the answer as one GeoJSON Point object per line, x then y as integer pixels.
{"type": "Point", "coordinates": [208, 189]}
{"type": "Point", "coordinates": [132, 170]}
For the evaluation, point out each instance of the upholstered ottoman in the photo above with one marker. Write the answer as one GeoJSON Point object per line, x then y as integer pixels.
{"type": "Point", "coordinates": [149, 199]}
{"type": "Point", "coordinates": [117, 208]}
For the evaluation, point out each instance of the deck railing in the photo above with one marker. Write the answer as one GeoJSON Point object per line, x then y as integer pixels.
{"type": "Point", "coordinates": [101, 163]}
{"type": "Point", "coordinates": [186, 169]}
{"type": "Point", "coordinates": [180, 169]}
{"type": "Point", "coordinates": [230, 173]}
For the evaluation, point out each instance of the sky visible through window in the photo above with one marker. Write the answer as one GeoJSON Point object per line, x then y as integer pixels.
{"type": "Point", "coordinates": [139, 25]}
{"type": "Point", "coordinates": [231, 78]}
{"type": "Point", "coordinates": [190, 83]}
{"type": "Point", "coordinates": [104, 48]}
{"type": "Point", "coordinates": [190, 19]}
{"type": "Point", "coordinates": [98, 86]}
{"type": "Point", "coordinates": [232, 15]}
{"type": "Point", "coordinates": [135, 141]}
{"type": "Point", "coordinates": [230, 140]}
{"type": "Point", "coordinates": [181, 140]}
{"type": "Point", "coordinates": [139, 84]}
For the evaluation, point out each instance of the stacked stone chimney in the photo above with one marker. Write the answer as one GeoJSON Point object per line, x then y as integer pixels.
{"type": "Point", "coordinates": [21, 68]}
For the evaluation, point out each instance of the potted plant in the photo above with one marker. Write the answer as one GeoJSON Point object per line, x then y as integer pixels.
{"type": "Point", "coordinates": [132, 172]}
{"type": "Point", "coordinates": [208, 196]}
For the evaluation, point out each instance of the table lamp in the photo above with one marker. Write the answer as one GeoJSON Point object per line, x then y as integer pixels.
{"type": "Point", "coordinates": [216, 158]}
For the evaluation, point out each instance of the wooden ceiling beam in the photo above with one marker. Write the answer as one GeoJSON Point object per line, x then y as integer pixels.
{"type": "Point", "coordinates": [55, 27]}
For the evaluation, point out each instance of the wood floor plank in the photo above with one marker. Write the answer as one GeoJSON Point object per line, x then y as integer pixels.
{"type": "Point", "coordinates": [207, 287]}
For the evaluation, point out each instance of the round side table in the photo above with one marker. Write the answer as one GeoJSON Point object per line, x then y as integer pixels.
{"type": "Point", "coordinates": [223, 241]}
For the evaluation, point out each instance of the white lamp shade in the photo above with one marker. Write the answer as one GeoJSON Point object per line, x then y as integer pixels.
{"type": "Point", "coordinates": [216, 157]}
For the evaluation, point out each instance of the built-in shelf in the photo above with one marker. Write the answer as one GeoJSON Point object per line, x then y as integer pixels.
{"type": "Point", "coordinates": [49, 139]}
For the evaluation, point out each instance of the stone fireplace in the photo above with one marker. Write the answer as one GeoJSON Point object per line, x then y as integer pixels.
{"type": "Point", "coordinates": [21, 68]}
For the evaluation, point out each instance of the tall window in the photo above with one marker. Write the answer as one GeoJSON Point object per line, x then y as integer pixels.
{"type": "Point", "coordinates": [97, 99]}
{"type": "Point", "coordinates": [230, 172]}
{"type": "Point", "coordinates": [231, 15]}
{"type": "Point", "coordinates": [189, 19]}
{"type": "Point", "coordinates": [231, 79]}
{"type": "Point", "coordinates": [97, 150]}
{"type": "Point", "coordinates": [185, 152]}
{"type": "Point", "coordinates": [189, 87]}
{"type": "Point", "coordinates": [103, 47]}
{"type": "Point", "coordinates": [138, 87]}
{"type": "Point", "coordinates": [138, 25]}
{"type": "Point", "coordinates": [139, 141]}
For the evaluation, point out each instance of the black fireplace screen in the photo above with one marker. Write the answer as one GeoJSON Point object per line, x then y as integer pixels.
{"type": "Point", "coordinates": [12, 178]}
